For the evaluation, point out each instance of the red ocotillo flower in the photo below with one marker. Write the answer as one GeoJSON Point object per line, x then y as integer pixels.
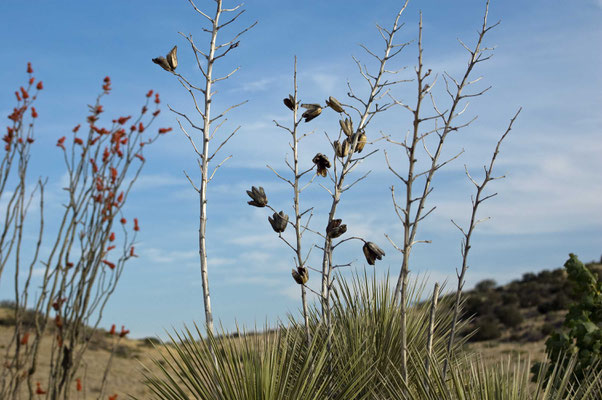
{"type": "Point", "coordinates": [34, 113]}
{"type": "Point", "coordinates": [112, 237]}
{"type": "Point", "coordinates": [123, 120]}
{"type": "Point", "coordinates": [39, 389]}
{"type": "Point", "coordinates": [113, 397]}
{"type": "Point", "coordinates": [150, 93]}
{"type": "Point", "coordinates": [76, 128]}
{"type": "Point", "coordinates": [32, 80]}
{"type": "Point", "coordinates": [113, 174]}
{"type": "Point", "coordinates": [164, 130]}
{"type": "Point", "coordinates": [156, 113]}
{"type": "Point", "coordinates": [25, 339]}
{"type": "Point", "coordinates": [60, 143]}
{"type": "Point", "coordinates": [24, 93]}
{"type": "Point", "coordinates": [107, 84]}
{"type": "Point", "coordinates": [29, 69]}
{"type": "Point", "coordinates": [18, 96]}
{"type": "Point", "coordinates": [157, 101]}
{"type": "Point", "coordinates": [109, 264]}
{"type": "Point", "coordinates": [78, 141]}
{"type": "Point", "coordinates": [123, 331]}
{"type": "Point", "coordinates": [132, 254]}
{"type": "Point", "coordinates": [58, 321]}
{"type": "Point", "coordinates": [40, 85]}
{"type": "Point", "coordinates": [140, 156]}
{"type": "Point", "coordinates": [110, 248]}
{"type": "Point", "coordinates": [112, 331]}
{"type": "Point", "coordinates": [120, 198]}
{"type": "Point", "coordinates": [78, 384]}
{"type": "Point", "coordinates": [136, 227]}
{"type": "Point", "coordinates": [140, 127]}
{"type": "Point", "coordinates": [123, 220]}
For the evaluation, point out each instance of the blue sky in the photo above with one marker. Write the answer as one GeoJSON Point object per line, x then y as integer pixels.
{"type": "Point", "coordinates": [547, 60]}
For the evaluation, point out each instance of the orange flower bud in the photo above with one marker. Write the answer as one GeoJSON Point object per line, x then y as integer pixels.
{"type": "Point", "coordinates": [24, 93]}
{"type": "Point", "coordinates": [123, 220]}
{"type": "Point", "coordinates": [78, 141]}
{"type": "Point", "coordinates": [25, 339]}
{"type": "Point", "coordinates": [132, 254]}
{"type": "Point", "coordinates": [34, 113]}
{"type": "Point", "coordinates": [18, 96]}
{"type": "Point", "coordinates": [140, 157]}
{"type": "Point", "coordinates": [31, 80]}
{"type": "Point", "coordinates": [136, 227]}
{"type": "Point", "coordinates": [112, 237]}
{"type": "Point", "coordinates": [60, 142]}
{"type": "Point", "coordinates": [110, 248]}
{"type": "Point", "coordinates": [164, 130]}
{"type": "Point", "coordinates": [156, 113]}
{"type": "Point", "coordinates": [40, 85]}
{"type": "Point", "coordinates": [76, 128]}
{"type": "Point", "coordinates": [39, 389]}
{"type": "Point", "coordinates": [140, 127]}
{"type": "Point", "coordinates": [157, 101]}
{"type": "Point", "coordinates": [123, 120]}
{"type": "Point", "coordinates": [120, 199]}
{"type": "Point", "coordinates": [112, 331]}
{"type": "Point", "coordinates": [29, 69]}
{"type": "Point", "coordinates": [109, 264]}
{"type": "Point", "coordinates": [150, 93]}
{"type": "Point", "coordinates": [123, 331]}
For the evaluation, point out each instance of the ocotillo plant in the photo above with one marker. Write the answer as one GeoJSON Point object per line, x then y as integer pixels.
{"type": "Point", "coordinates": [444, 123]}
{"type": "Point", "coordinates": [208, 127]}
{"type": "Point", "coordinates": [81, 269]}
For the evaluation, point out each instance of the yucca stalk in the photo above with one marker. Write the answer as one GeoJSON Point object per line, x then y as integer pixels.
{"type": "Point", "coordinates": [208, 128]}
{"type": "Point", "coordinates": [478, 199]}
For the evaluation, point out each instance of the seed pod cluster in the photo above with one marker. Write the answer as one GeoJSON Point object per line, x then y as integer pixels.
{"type": "Point", "coordinates": [279, 221]}
{"type": "Point", "coordinates": [334, 104]}
{"type": "Point", "coordinates": [313, 110]}
{"type": "Point", "coordinates": [170, 61]}
{"type": "Point", "coordinates": [259, 199]}
{"type": "Point", "coordinates": [372, 252]}
{"type": "Point", "coordinates": [346, 126]}
{"type": "Point", "coordinates": [361, 141]}
{"type": "Point", "coordinates": [322, 163]}
{"type": "Point", "coordinates": [290, 102]}
{"type": "Point", "coordinates": [300, 275]}
{"type": "Point", "coordinates": [335, 228]}
{"type": "Point", "coordinates": [342, 149]}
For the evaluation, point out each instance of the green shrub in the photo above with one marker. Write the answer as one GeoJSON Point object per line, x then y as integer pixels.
{"type": "Point", "coordinates": [510, 316]}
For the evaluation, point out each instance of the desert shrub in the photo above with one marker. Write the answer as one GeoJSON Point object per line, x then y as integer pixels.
{"type": "Point", "coordinates": [547, 328]}
{"type": "Point", "coordinates": [487, 328]}
{"type": "Point", "coordinates": [560, 302]}
{"type": "Point", "coordinates": [582, 335]}
{"type": "Point", "coordinates": [485, 285]}
{"type": "Point", "coordinates": [150, 341]}
{"type": "Point", "coordinates": [123, 351]}
{"type": "Point", "coordinates": [509, 315]}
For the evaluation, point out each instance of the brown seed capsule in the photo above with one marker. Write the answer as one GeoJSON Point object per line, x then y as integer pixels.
{"type": "Point", "coordinates": [341, 149]}
{"type": "Point", "coordinates": [300, 275]}
{"type": "Point", "coordinates": [170, 62]}
{"type": "Point", "coordinates": [372, 252]}
{"type": "Point", "coordinates": [322, 163]}
{"type": "Point", "coordinates": [313, 110]}
{"type": "Point", "coordinates": [346, 126]}
{"type": "Point", "coordinates": [290, 102]}
{"type": "Point", "coordinates": [334, 104]}
{"type": "Point", "coordinates": [361, 142]}
{"type": "Point", "coordinates": [258, 196]}
{"type": "Point", "coordinates": [335, 228]}
{"type": "Point", "coordinates": [278, 221]}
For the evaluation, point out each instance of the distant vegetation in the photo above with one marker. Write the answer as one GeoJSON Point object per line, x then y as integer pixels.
{"type": "Point", "coordinates": [526, 309]}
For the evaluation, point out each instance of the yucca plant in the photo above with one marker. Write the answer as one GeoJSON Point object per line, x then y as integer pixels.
{"type": "Point", "coordinates": [268, 366]}
{"type": "Point", "coordinates": [470, 378]}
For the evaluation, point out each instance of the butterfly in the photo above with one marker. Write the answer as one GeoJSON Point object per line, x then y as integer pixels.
{"type": "Point", "coordinates": [170, 61]}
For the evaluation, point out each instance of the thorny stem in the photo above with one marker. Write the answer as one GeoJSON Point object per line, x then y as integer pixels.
{"type": "Point", "coordinates": [478, 199]}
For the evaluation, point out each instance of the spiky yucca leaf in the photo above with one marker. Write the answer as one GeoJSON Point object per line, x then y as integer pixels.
{"type": "Point", "coordinates": [271, 366]}
{"type": "Point", "coordinates": [470, 379]}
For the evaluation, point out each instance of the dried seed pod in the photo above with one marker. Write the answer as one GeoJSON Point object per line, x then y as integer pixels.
{"type": "Point", "coordinates": [322, 163]}
{"type": "Point", "coordinates": [334, 104]}
{"type": "Point", "coordinates": [346, 126]}
{"type": "Point", "coordinates": [279, 221]}
{"type": "Point", "coordinates": [300, 275]}
{"type": "Point", "coordinates": [258, 196]}
{"type": "Point", "coordinates": [290, 102]}
{"type": "Point", "coordinates": [341, 149]}
{"type": "Point", "coordinates": [372, 252]}
{"type": "Point", "coordinates": [361, 142]}
{"type": "Point", "coordinates": [313, 110]}
{"type": "Point", "coordinates": [335, 228]}
{"type": "Point", "coordinates": [170, 62]}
